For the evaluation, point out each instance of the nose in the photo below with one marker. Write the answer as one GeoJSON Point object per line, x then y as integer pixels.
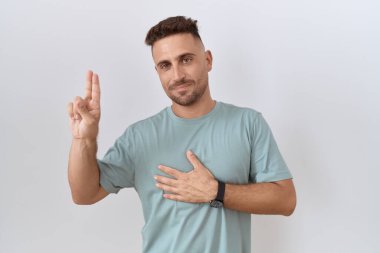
{"type": "Point", "coordinates": [178, 73]}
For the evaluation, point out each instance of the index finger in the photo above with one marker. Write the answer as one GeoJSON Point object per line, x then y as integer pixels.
{"type": "Point", "coordinates": [170, 171]}
{"type": "Point", "coordinates": [88, 85]}
{"type": "Point", "coordinates": [95, 91]}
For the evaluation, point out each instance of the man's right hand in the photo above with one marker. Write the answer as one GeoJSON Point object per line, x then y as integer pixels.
{"type": "Point", "coordinates": [83, 171]}
{"type": "Point", "coordinates": [85, 113]}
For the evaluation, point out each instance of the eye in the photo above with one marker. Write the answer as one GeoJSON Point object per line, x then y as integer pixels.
{"type": "Point", "coordinates": [164, 66]}
{"type": "Point", "coordinates": [187, 59]}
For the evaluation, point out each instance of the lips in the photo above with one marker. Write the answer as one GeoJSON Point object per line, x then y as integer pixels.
{"type": "Point", "coordinates": [180, 87]}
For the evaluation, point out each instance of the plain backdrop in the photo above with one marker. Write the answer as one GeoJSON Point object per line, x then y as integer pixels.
{"type": "Point", "coordinates": [311, 67]}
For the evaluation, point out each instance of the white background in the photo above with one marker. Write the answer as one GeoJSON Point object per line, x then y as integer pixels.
{"type": "Point", "coordinates": [311, 67]}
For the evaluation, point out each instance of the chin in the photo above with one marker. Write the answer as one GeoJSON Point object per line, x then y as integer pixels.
{"type": "Point", "coordinates": [185, 101]}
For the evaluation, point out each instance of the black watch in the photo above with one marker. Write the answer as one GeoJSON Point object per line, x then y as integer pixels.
{"type": "Point", "coordinates": [218, 201]}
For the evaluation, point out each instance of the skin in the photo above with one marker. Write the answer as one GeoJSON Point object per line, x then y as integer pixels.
{"type": "Point", "coordinates": [182, 65]}
{"type": "Point", "coordinates": [83, 171]}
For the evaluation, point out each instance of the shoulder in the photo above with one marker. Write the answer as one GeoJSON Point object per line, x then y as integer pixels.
{"type": "Point", "coordinates": [246, 118]}
{"type": "Point", "coordinates": [147, 123]}
{"type": "Point", "coordinates": [246, 113]}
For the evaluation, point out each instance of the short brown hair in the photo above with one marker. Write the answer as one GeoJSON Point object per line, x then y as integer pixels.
{"type": "Point", "coordinates": [171, 26]}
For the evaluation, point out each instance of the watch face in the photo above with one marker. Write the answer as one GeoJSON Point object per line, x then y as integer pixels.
{"type": "Point", "coordinates": [216, 203]}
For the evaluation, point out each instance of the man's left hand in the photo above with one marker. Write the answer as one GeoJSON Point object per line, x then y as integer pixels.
{"type": "Point", "coordinates": [195, 186]}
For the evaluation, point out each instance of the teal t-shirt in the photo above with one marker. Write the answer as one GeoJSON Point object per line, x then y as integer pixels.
{"type": "Point", "coordinates": [234, 143]}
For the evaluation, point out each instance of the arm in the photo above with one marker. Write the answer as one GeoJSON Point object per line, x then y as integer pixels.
{"type": "Point", "coordinates": [83, 171]}
{"type": "Point", "coordinates": [200, 186]}
{"type": "Point", "coordinates": [262, 198]}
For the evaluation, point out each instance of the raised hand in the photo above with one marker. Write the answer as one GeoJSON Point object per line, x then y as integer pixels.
{"type": "Point", "coordinates": [85, 113]}
{"type": "Point", "coordinates": [196, 186]}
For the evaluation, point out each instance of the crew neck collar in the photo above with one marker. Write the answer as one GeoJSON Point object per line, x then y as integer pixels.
{"type": "Point", "coordinates": [193, 120]}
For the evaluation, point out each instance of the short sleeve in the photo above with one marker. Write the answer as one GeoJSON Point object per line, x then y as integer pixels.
{"type": "Point", "coordinates": [267, 164]}
{"type": "Point", "coordinates": [117, 167]}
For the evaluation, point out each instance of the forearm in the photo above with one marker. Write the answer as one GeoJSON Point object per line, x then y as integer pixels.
{"type": "Point", "coordinates": [261, 198]}
{"type": "Point", "coordinates": [83, 170]}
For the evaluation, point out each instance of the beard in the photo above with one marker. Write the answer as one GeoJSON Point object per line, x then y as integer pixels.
{"type": "Point", "coordinates": [186, 98]}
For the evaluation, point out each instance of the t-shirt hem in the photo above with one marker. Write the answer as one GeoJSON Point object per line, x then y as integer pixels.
{"type": "Point", "coordinates": [277, 177]}
{"type": "Point", "coordinates": [106, 184]}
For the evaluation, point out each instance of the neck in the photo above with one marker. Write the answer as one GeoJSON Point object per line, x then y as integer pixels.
{"type": "Point", "coordinates": [201, 107]}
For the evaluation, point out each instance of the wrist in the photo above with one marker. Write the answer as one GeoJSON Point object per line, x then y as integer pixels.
{"type": "Point", "coordinates": [84, 140]}
{"type": "Point", "coordinates": [85, 143]}
{"type": "Point", "coordinates": [213, 190]}
{"type": "Point", "coordinates": [217, 202]}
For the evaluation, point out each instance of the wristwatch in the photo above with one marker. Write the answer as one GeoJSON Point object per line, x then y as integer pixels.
{"type": "Point", "coordinates": [218, 201]}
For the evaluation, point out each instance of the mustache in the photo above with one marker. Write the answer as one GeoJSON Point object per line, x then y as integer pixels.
{"type": "Point", "coordinates": [180, 82]}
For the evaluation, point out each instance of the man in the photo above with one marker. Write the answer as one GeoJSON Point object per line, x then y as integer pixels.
{"type": "Point", "coordinates": [200, 166]}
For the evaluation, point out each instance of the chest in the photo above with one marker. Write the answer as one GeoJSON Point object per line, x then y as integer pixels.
{"type": "Point", "coordinates": [225, 151]}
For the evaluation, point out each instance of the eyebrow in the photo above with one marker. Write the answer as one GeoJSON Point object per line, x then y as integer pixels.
{"type": "Point", "coordinates": [178, 57]}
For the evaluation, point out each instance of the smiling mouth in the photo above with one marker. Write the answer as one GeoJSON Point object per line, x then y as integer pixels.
{"type": "Point", "coordinates": [181, 86]}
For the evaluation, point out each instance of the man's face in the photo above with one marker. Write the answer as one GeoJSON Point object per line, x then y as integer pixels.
{"type": "Point", "coordinates": [182, 65]}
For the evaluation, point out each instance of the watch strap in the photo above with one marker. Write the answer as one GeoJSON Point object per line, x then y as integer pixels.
{"type": "Point", "coordinates": [221, 190]}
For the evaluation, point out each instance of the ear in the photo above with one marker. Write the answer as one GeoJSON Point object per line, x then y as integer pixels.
{"type": "Point", "coordinates": [208, 56]}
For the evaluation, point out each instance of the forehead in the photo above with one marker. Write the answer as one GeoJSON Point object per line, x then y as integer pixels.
{"type": "Point", "coordinates": [171, 47]}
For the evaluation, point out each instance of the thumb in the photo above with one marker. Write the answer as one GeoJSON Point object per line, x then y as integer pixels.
{"type": "Point", "coordinates": [194, 160]}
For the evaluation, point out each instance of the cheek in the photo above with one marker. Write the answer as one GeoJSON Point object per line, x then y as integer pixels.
{"type": "Point", "coordinates": [200, 73]}
{"type": "Point", "coordinates": [164, 81]}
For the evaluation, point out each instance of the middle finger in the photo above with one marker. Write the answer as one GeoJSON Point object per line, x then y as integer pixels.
{"type": "Point", "coordinates": [167, 181]}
